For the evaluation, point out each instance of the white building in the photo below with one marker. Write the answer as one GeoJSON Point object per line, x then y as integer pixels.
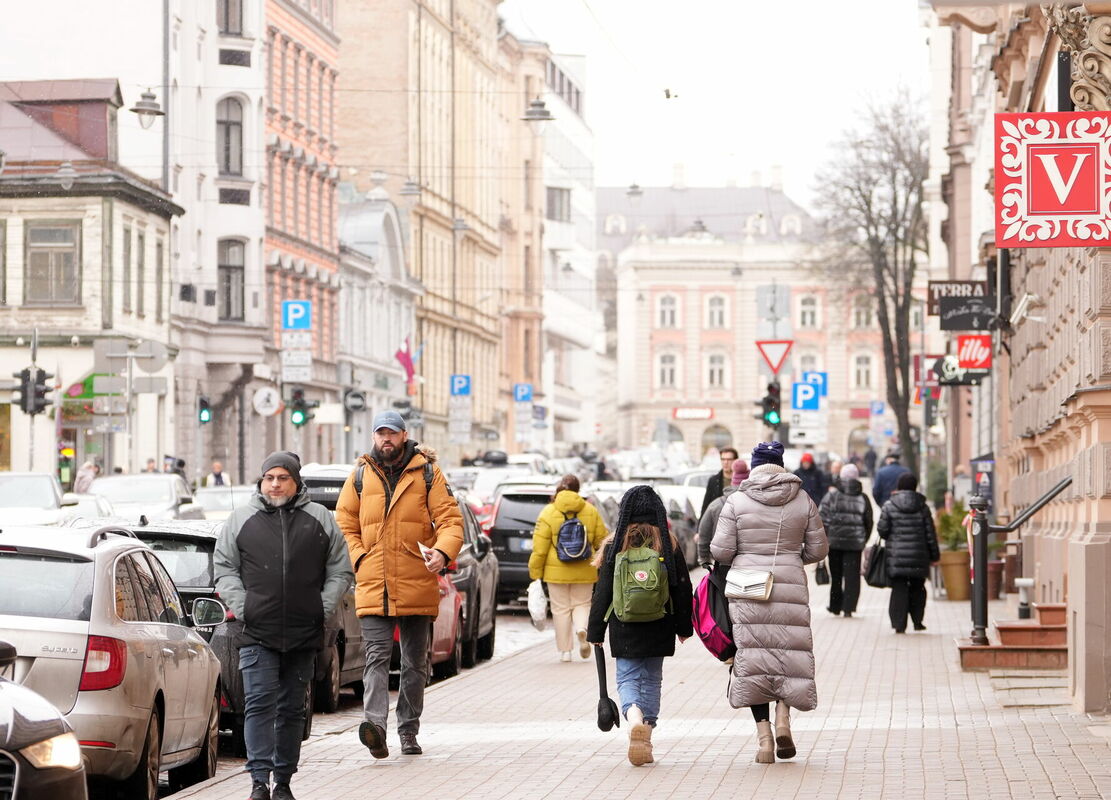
{"type": "Point", "coordinates": [377, 314]}
{"type": "Point", "coordinates": [83, 254]}
{"type": "Point", "coordinates": [203, 62]}
{"type": "Point", "coordinates": [572, 324]}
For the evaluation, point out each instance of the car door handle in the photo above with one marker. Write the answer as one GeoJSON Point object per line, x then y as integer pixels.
{"type": "Point", "coordinates": [167, 651]}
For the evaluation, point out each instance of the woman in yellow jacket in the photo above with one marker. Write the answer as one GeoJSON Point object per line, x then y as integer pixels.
{"type": "Point", "coordinates": [570, 583]}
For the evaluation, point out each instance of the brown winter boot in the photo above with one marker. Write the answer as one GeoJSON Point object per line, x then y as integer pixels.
{"type": "Point", "coordinates": [640, 738]}
{"type": "Point", "coordinates": [784, 744]}
{"type": "Point", "coordinates": [766, 753]}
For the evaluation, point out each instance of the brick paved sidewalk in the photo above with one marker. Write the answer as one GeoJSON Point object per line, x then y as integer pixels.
{"type": "Point", "coordinates": [896, 718]}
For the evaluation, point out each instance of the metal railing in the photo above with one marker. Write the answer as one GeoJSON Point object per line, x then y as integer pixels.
{"type": "Point", "coordinates": [982, 529]}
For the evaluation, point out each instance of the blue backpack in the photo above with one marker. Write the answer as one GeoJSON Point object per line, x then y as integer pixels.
{"type": "Point", "coordinates": [572, 543]}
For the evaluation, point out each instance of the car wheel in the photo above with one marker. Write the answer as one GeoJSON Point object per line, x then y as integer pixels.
{"type": "Point", "coordinates": [327, 690]}
{"type": "Point", "coordinates": [454, 663]}
{"type": "Point", "coordinates": [486, 643]}
{"type": "Point", "coordinates": [307, 732]}
{"type": "Point", "coordinates": [142, 784]}
{"type": "Point", "coordinates": [470, 645]}
{"type": "Point", "coordinates": [204, 766]}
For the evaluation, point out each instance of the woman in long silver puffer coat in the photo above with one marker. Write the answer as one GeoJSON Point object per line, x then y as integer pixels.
{"type": "Point", "coordinates": [769, 523]}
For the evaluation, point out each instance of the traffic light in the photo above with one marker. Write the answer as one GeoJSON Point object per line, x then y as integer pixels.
{"type": "Point", "coordinates": [25, 389]}
{"type": "Point", "coordinates": [404, 408]}
{"type": "Point", "coordinates": [40, 389]}
{"type": "Point", "coordinates": [204, 410]}
{"type": "Point", "coordinates": [770, 403]}
{"type": "Point", "coordinates": [299, 413]}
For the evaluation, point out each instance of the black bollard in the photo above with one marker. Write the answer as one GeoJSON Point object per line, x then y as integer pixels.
{"type": "Point", "coordinates": [980, 530]}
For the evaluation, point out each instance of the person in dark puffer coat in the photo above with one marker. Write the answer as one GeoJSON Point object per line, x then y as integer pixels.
{"type": "Point", "coordinates": [908, 528]}
{"type": "Point", "coordinates": [847, 517]}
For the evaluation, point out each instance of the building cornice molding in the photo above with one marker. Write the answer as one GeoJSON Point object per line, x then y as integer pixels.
{"type": "Point", "coordinates": [1088, 38]}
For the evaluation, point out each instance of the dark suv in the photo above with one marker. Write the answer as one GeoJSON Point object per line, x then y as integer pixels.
{"type": "Point", "coordinates": [514, 518]}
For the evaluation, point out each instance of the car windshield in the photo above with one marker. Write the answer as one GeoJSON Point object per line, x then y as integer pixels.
{"type": "Point", "coordinates": [134, 490]}
{"type": "Point", "coordinates": [45, 586]}
{"type": "Point", "coordinates": [189, 561]}
{"type": "Point", "coordinates": [515, 510]}
{"type": "Point", "coordinates": [224, 499]}
{"type": "Point", "coordinates": [27, 491]}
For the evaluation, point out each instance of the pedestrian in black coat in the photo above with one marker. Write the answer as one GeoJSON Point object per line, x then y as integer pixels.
{"type": "Point", "coordinates": [640, 647]}
{"type": "Point", "coordinates": [907, 526]}
{"type": "Point", "coordinates": [715, 487]}
{"type": "Point", "coordinates": [814, 482]}
{"type": "Point", "coordinates": [847, 517]}
{"type": "Point", "coordinates": [883, 483]}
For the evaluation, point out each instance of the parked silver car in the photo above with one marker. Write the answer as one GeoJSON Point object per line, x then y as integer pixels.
{"type": "Point", "coordinates": [33, 498]}
{"type": "Point", "coordinates": [100, 632]}
{"type": "Point", "coordinates": [161, 495]}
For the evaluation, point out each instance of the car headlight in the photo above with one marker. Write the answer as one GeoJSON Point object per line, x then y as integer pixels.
{"type": "Point", "coordinates": [62, 751]}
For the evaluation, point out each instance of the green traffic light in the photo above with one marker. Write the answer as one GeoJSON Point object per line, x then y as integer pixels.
{"type": "Point", "coordinates": [205, 415]}
{"type": "Point", "coordinates": [298, 417]}
{"type": "Point", "coordinates": [772, 417]}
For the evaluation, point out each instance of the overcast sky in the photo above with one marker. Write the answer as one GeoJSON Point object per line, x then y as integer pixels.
{"type": "Point", "coordinates": [757, 83]}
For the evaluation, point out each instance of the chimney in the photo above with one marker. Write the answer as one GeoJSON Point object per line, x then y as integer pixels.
{"type": "Point", "coordinates": [777, 178]}
{"type": "Point", "coordinates": [678, 176]}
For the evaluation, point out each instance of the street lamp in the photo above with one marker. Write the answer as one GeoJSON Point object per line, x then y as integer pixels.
{"type": "Point", "coordinates": [736, 272]}
{"type": "Point", "coordinates": [634, 193]}
{"type": "Point", "coordinates": [148, 109]}
{"type": "Point", "coordinates": [537, 115]}
{"type": "Point", "coordinates": [66, 175]}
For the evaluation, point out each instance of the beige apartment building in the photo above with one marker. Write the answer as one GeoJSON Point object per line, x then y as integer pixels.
{"type": "Point", "coordinates": [420, 100]}
{"type": "Point", "coordinates": [1048, 416]}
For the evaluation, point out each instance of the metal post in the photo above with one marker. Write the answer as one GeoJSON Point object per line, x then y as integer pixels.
{"type": "Point", "coordinates": [34, 377]}
{"type": "Point", "coordinates": [130, 411]}
{"type": "Point", "coordinates": [980, 531]}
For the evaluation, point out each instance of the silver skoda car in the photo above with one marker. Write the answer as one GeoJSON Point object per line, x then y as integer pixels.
{"type": "Point", "coordinates": [99, 630]}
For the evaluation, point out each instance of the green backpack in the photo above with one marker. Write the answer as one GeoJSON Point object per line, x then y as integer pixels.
{"type": "Point", "coordinates": [640, 590]}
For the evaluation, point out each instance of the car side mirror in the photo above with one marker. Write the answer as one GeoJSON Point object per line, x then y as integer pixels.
{"type": "Point", "coordinates": [7, 654]}
{"type": "Point", "coordinates": [69, 499]}
{"type": "Point", "coordinates": [466, 548]}
{"type": "Point", "coordinates": [207, 612]}
{"type": "Point", "coordinates": [482, 546]}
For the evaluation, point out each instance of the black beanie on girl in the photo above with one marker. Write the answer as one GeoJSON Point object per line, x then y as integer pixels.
{"type": "Point", "coordinates": [642, 504]}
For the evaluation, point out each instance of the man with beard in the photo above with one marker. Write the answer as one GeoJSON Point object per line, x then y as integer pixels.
{"type": "Point", "coordinates": [403, 527]}
{"type": "Point", "coordinates": [281, 566]}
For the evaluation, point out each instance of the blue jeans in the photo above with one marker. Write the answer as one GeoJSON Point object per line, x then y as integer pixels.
{"type": "Point", "coordinates": [638, 683]}
{"type": "Point", "coordinates": [274, 686]}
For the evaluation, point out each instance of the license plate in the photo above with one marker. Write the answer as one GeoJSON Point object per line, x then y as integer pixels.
{"type": "Point", "coordinates": [520, 545]}
{"type": "Point", "coordinates": [526, 545]}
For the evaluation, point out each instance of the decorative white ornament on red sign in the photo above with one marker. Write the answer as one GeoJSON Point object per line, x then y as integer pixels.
{"type": "Point", "coordinates": [1053, 179]}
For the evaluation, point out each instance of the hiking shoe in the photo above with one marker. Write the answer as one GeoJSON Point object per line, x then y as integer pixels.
{"type": "Point", "coordinates": [282, 792]}
{"type": "Point", "coordinates": [409, 745]}
{"type": "Point", "coordinates": [373, 738]}
{"type": "Point", "coordinates": [584, 645]}
{"type": "Point", "coordinates": [259, 791]}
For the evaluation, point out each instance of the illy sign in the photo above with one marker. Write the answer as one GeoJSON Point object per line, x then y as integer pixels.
{"type": "Point", "coordinates": [1052, 179]}
{"type": "Point", "coordinates": [974, 352]}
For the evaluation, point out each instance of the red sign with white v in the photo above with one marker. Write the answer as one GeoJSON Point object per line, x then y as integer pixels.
{"type": "Point", "coordinates": [1052, 179]}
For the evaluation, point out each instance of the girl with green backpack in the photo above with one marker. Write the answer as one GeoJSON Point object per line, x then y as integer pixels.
{"type": "Point", "coordinates": [643, 598]}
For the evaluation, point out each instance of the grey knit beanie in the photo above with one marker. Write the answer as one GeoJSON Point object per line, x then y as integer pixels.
{"type": "Point", "coordinates": [286, 460]}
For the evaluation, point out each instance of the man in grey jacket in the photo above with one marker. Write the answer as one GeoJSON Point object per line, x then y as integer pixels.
{"type": "Point", "coordinates": [709, 521]}
{"type": "Point", "coordinates": [281, 565]}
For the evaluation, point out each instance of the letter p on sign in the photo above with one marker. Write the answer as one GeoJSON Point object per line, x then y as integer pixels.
{"type": "Point", "coordinates": [297, 315]}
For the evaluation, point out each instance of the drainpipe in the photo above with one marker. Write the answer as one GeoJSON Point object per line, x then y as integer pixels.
{"type": "Point", "coordinates": [166, 96]}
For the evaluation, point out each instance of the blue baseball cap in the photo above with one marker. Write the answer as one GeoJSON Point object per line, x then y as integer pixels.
{"type": "Point", "coordinates": [388, 419]}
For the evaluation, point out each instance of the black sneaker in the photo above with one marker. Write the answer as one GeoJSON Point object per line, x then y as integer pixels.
{"type": "Point", "coordinates": [259, 791]}
{"type": "Point", "coordinates": [373, 738]}
{"type": "Point", "coordinates": [848, 615]}
{"type": "Point", "coordinates": [831, 611]}
{"type": "Point", "coordinates": [282, 792]}
{"type": "Point", "coordinates": [409, 745]}
{"type": "Point", "coordinates": [920, 627]}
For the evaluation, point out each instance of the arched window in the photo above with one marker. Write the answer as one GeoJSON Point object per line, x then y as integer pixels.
{"type": "Point", "coordinates": [790, 225]}
{"type": "Point", "coordinates": [862, 372]}
{"type": "Point", "coordinates": [808, 312]}
{"type": "Point", "coordinates": [862, 312]}
{"type": "Point", "coordinates": [668, 312]}
{"type": "Point", "coordinates": [715, 371]}
{"type": "Point", "coordinates": [668, 370]}
{"type": "Point", "coordinates": [717, 437]}
{"type": "Point", "coordinates": [756, 224]}
{"type": "Point", "coordinates": [229, 136]}
{"type": "Point", "coordinates": [230, 279]}
{"type": "Point", "coordinates": [614, 224]}
{"type": "Point", "coordinates": [715, 312]}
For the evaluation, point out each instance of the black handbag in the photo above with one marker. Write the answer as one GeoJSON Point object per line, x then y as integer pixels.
{"type": "Point", "coordinates": [608, 714]}
{"type": "Point", "coordinates": [875, 572]}
{"type": "Point", "coordinates": [821, 574]}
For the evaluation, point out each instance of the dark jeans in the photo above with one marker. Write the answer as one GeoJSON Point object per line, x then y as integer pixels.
{"type": "Point", "coordinates": [907, 595]}
{"type": "Point", "coordinates": [844, 580]}
{"type": "Point", "coordinates": [274, 687]}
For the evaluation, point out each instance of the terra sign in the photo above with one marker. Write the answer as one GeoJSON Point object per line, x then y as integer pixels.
{"type": "Point", "coordinates": [1053, 179]}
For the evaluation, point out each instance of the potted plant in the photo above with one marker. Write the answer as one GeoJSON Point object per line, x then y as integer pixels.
{"type": "Point", "coordinates": [954, 557]}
